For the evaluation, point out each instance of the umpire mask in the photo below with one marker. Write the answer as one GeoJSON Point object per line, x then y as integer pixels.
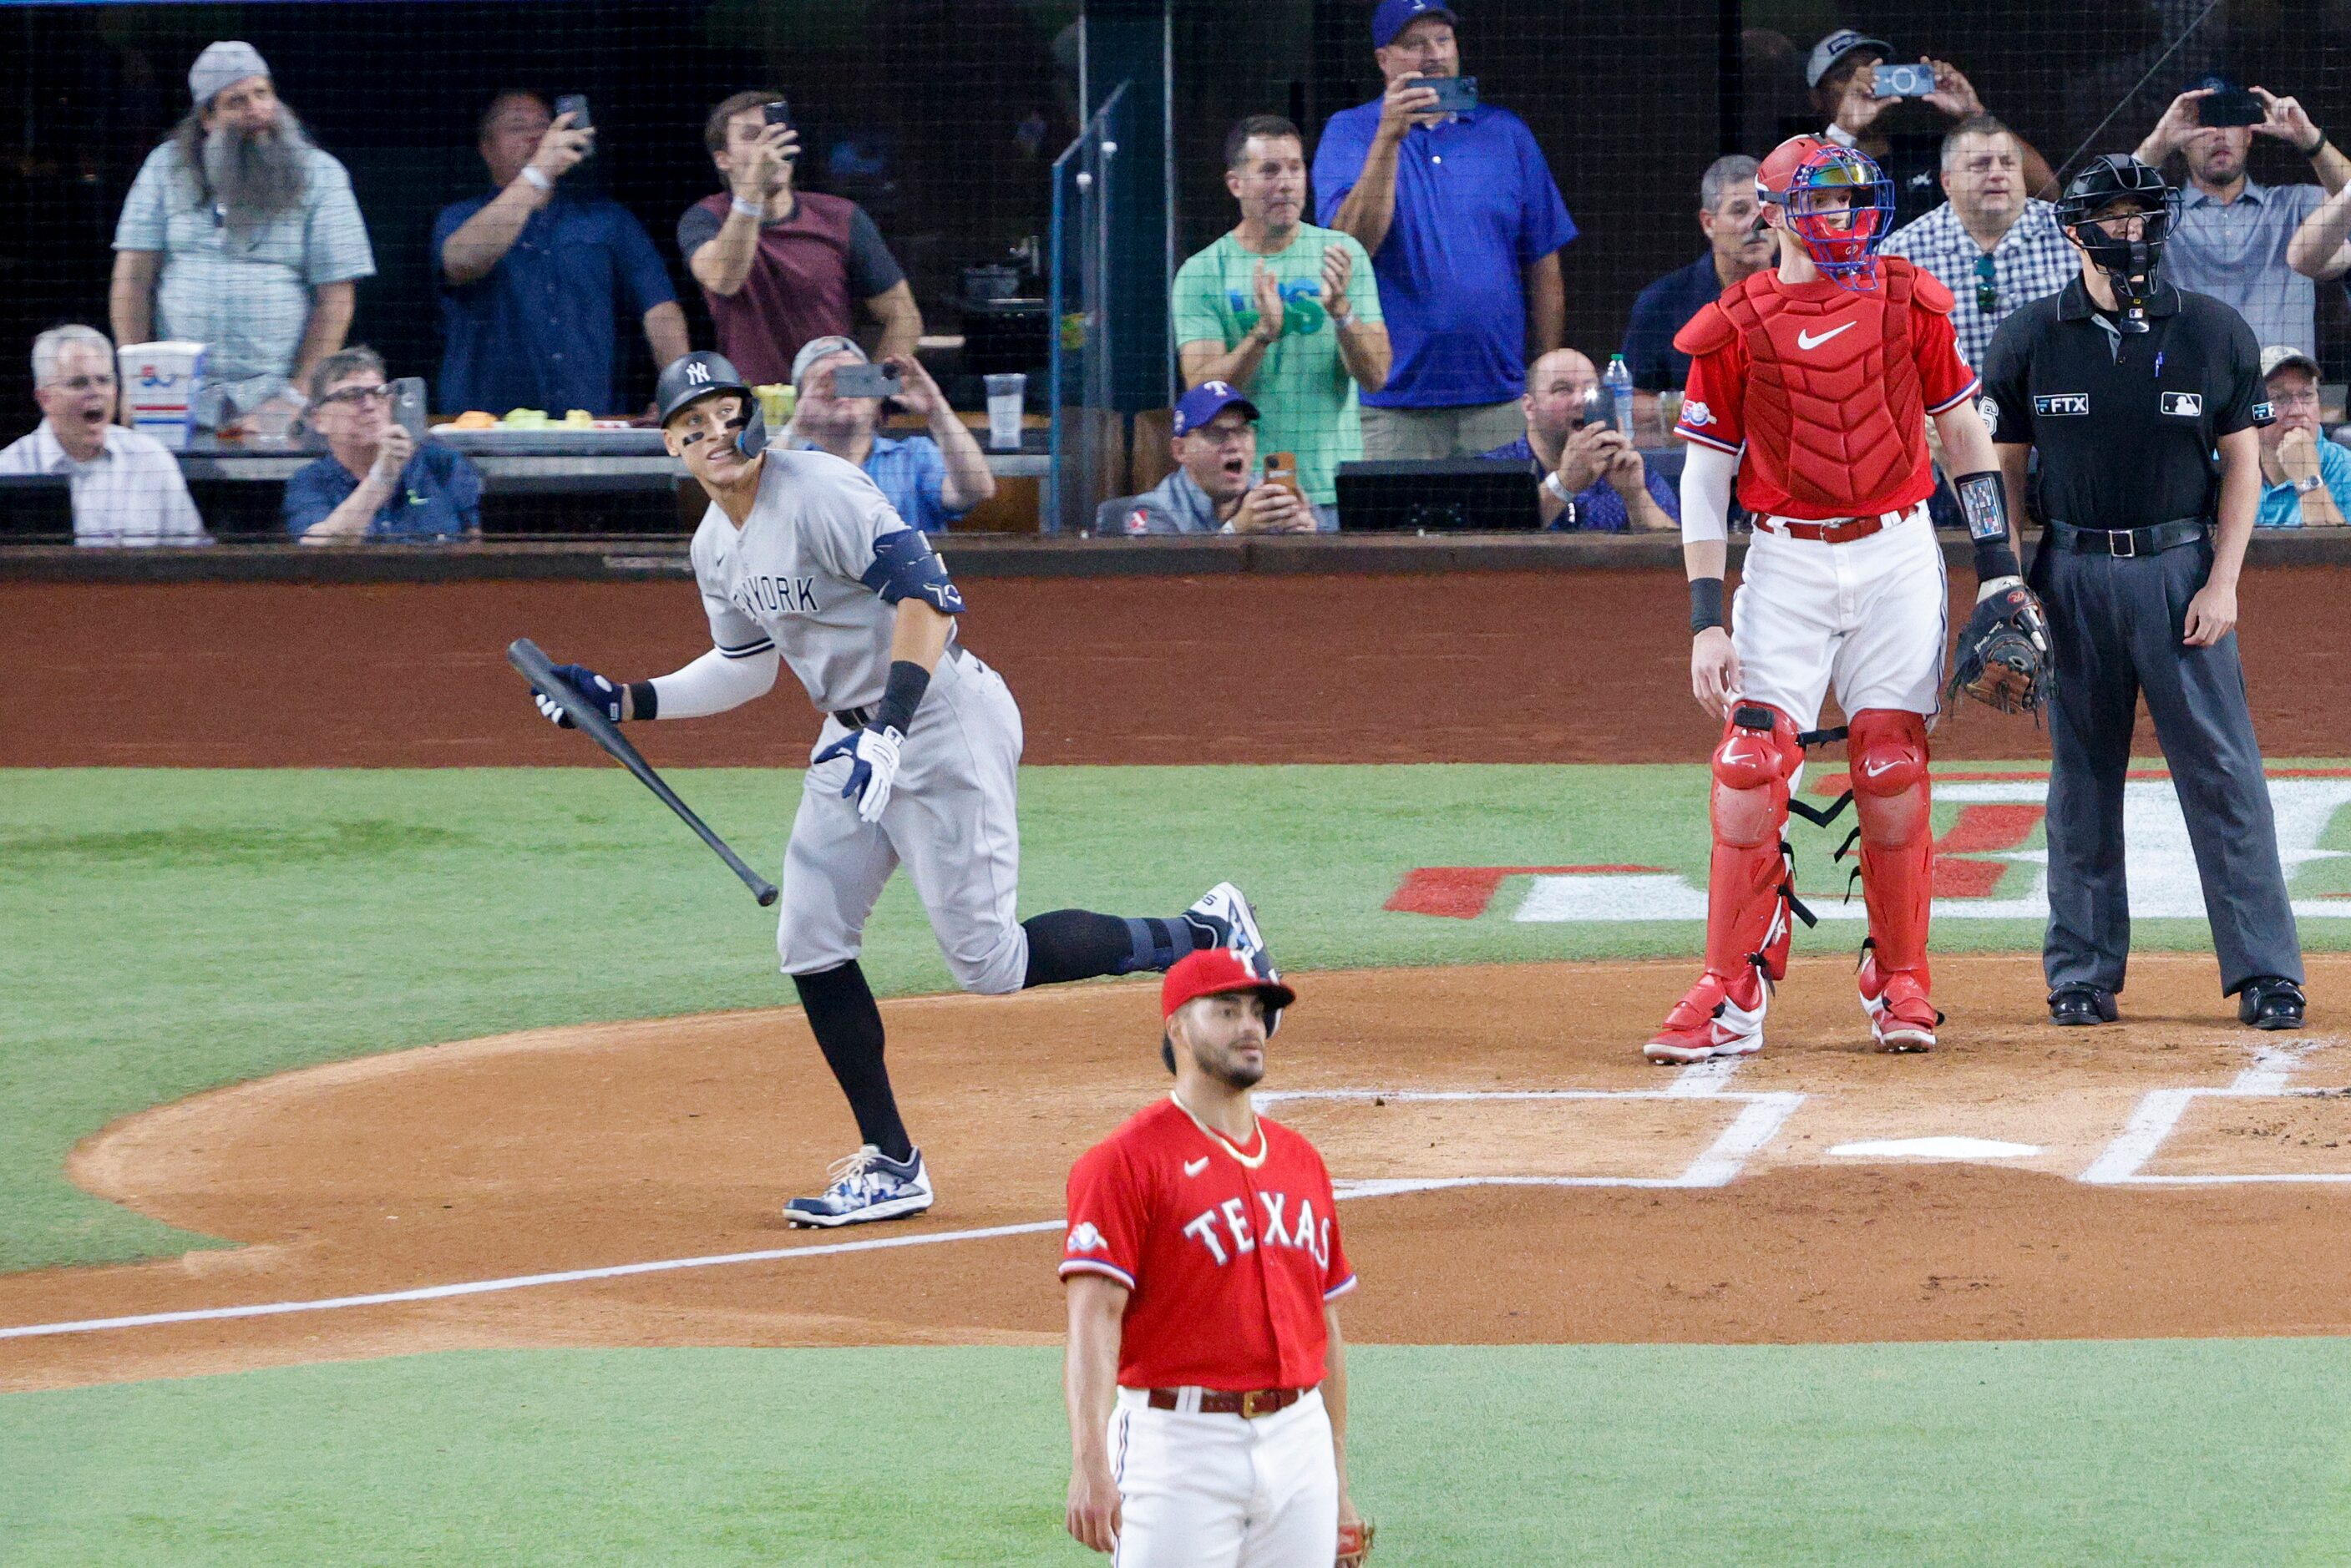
{"type": "Point", "coordinates": [2130, 263]}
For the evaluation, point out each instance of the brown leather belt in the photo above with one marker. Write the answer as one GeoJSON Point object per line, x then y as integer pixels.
{"type": "Point", "coordinates": [1249, 1405]}
{"type": "Point", "coordinates": [1826, 533]}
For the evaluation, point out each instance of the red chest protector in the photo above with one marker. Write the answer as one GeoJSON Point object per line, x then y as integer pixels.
{"type": "Point", "coordinates": [1835, 411]}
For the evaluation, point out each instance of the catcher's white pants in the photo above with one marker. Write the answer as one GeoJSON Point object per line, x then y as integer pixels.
{"type": "Point", "coordinates": [1224, 1492]}
{"type": "Point", "coordinates": [1865, 619]}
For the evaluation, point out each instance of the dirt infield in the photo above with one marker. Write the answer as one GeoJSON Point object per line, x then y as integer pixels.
{"type": "Point", "coordinates": [1518, 1175]}
{"type": "Point", "coordinates": [1488, 667]}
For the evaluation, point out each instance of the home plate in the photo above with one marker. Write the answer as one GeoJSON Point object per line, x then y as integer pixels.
{"type": "Point", "coordinates": [1934, 1149]}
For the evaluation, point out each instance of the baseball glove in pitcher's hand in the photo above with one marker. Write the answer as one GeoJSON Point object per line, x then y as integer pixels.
{"type": "Point", "coordinates": [2004, 655]}
{"type": "Point", "coordinates": [1354, 1543]}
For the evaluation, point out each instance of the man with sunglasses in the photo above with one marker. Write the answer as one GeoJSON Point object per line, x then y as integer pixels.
{"type": "Point", "coordinates": [802, 563]}
{"type": "Point", "coordinates": [2143, 402]}
{"type": "Point", "coordinates": [1990, 244]}
{"type": "Point", "coordinates": [376, 483]}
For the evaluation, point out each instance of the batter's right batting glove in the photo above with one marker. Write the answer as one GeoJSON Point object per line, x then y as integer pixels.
{"type": "Point", "coordinates": [594, 689]}
{"type": "Point", "coordinates": [872, 755]}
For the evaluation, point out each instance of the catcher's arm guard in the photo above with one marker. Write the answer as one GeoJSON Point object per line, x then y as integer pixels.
{"type": "Point", "coordinates": [2004, 656]}
{"type": "Point", "coordinates": [1355, 1544]}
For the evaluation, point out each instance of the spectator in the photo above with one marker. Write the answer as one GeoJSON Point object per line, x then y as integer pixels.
{"type": "Point", "coordinates": [126, 488]}
{"type": "Point", "coordinates": [532, 273]}
{"type": "Point", "coordinates": [1738, 247]}
{"type": "Point", "coordinates": [1464, 226]}
{"type": "Point", "coordinates": [2233, 237]}
{"type": "Point", "coordinates": [930, 480]}
{"type": "Point", "coordinates": [240, 235]}
{"type": "Point", "coordinates": [2305, 478]}
{"type": "Point", "coordinates": [1843, 72]}
{"type": "Point", "coordinates": [1211, 490]}
{"type": "Point", "coordinates": [1285, 310]}
{"type": "Point", "coordinates": [1594, 479]}
{"type": "Point", "coordinates": [375, 482]}
{"type": "Point", "coordinates": [778, 266]}
{"type": "Point", "coordinates": [1990, 244]}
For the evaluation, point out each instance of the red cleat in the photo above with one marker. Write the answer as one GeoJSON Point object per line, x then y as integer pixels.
{"type": "Point", "coordinates": [1901, 1018]}
{"type": "Point", "coordinates": [1721, 1016]}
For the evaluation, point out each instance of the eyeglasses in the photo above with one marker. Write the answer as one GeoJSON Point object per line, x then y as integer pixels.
{"type": "Point", "coordinates": [1987, 285]}
{"type": "Point", "coordinates": [86, 384]}
{"type": "Point", "coordinates": [352, 397]}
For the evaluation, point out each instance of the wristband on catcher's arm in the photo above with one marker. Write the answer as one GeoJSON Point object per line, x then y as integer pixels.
{"type": "Point", "coordinates": [1706, 604]}
{"type": "Point", "coordinates": [902, 696]}
{"type": "Point", "coordinates": [1983, 499]}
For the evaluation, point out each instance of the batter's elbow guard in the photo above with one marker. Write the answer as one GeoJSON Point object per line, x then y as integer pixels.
{"type": "Point", "coordinates": [906, 567]}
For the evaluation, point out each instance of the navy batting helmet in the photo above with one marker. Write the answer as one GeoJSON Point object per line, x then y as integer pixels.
{"type": "Point", "coordinates": [690, 377]}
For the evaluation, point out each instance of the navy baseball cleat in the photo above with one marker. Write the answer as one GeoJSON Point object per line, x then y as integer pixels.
{"type": "Point", "coordinates": [866, 1186]}
{"type": "Point", "coordinates": [2269, 1001]}
{"type": "Point", "coordinates": [1224, 913]}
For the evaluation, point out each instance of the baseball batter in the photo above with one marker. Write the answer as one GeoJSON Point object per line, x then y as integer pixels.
{"type": "Point", "coordinates": [1812, 383]}
{"type": "Point", "coordinates": [801, 562]}
{"type": "Point", "coordinates": [1207, 1379]}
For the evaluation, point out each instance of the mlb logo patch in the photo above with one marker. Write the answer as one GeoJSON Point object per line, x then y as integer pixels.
{"type": "Point", "coordinates": [2054, 405]}
{"type": "Point", "coordinates": [2187, 405]}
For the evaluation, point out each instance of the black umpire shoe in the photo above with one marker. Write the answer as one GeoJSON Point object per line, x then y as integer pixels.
{"type": "Point", "coordinates": [2071, 1006]}
{"type": "Point", "coordinates": [2270, 1003]}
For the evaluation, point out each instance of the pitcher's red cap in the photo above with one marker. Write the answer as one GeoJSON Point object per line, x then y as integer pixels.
{"type": "Point", "coordinates": [1215, 971]}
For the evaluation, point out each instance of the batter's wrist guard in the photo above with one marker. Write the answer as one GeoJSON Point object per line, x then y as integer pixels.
{"type": "Point", "coordinates": [1706, 604]}
{"type": "Point", "coordinates": [1983, 499]}
{"type": "Point", "coordinates": [644, 701]}
{"type": "Point", "coordinates": [903, 695]}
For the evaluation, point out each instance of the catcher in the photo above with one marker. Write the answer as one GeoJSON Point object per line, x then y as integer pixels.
{"type": "Point", "coordinates": [1811, 383]}
{"type": "Point", "coordinates": [2143, 401]}
{"type": "Point", "coordinates": [1206, 1378]}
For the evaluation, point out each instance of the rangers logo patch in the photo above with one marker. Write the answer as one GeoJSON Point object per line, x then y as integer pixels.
{"type": "Point", "coordinates": [1697, 414]}
{"type": "Point", "coordinates": [1138, 521]}
{"type": "Point", "coordinates": [2051, 405]}
{"type": "Point", "coordinates": [1084, 1238]}
{"type": "Point", "coordinates": [2187, 405]}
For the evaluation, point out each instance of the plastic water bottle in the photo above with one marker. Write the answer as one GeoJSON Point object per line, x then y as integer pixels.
{"type": "Point", "coordinates": [1617, 382]}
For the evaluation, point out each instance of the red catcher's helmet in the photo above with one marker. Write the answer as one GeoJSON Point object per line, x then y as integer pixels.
{"type": "Point", "coordinates": [1842, 235]}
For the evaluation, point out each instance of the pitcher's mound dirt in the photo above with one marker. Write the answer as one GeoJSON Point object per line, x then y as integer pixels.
{"type": "Point", "coordinates": [612, 1144]}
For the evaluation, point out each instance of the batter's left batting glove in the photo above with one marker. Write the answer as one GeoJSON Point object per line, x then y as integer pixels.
{"type": "Point", "coordinates": [872, 767]}
{"type": "Point", "coordinates": [593, 689]}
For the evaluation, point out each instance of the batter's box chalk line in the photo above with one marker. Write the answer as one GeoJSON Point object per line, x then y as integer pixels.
{"type": "Point", "coordinates": [1761, 1116]}
{"type": "Point", "coordinates": [2158, 1113]}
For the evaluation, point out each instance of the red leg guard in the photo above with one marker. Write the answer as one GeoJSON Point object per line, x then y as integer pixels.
{"type": "Point", "coordinates": [1746, 912]}
{"type": "Point", "coordinates": [1886, 750]}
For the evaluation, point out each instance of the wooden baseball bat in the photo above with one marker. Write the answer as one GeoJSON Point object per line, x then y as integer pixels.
{"type": "Point", "coordinates": [525, 657]}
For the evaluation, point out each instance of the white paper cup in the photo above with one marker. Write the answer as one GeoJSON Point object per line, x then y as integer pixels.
{"type": "Point", "coordinates": [1005, 396]}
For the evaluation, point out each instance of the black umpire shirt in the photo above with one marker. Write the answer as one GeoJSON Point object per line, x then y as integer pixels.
{"type": "Point", "coordinates": [2126, 424]}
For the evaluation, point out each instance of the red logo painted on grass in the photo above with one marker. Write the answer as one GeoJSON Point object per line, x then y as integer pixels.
{"type": "Point", "coordinates": [1462, 892]}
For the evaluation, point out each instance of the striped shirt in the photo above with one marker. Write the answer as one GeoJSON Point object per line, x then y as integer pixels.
{"type": "Point", "coordinates": [2034, 258]}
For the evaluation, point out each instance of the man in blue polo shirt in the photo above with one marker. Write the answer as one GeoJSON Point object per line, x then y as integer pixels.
{"type": "Point", "coordinates": [532, 275]}
{"type": "Point", "coordinates": [376, 485]}
{"type": "Point", "coordinates": [1464, 225]}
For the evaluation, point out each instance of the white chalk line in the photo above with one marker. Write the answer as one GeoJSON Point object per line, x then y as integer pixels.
{"type": "Point", "coordinates": [2158, 1113]}
{"type": "Point", "coordinates": [1754, 1126]}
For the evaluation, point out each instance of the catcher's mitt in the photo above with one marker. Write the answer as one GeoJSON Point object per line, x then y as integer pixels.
{"type": "Point", "coordinates": [1355, 1544]}
{"type": "Point", "coordinates": [2004, 655]}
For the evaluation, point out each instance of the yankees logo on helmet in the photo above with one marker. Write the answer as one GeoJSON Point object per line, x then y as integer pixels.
{"type": "Point", "coordinates": [698, 372]}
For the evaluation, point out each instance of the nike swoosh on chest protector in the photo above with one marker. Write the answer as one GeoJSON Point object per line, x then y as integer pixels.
{"type": "Point", "coordinates": [1806, 340]}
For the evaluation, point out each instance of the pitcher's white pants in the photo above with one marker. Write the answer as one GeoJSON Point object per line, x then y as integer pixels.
{"type": "Point", "coordinates": [1224, 1492]}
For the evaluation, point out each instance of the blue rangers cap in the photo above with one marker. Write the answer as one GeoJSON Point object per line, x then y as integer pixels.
{"type": "Point", "coordinates": [1205, 402]}
{"type": "Point", "coordinates": [1395, 15]}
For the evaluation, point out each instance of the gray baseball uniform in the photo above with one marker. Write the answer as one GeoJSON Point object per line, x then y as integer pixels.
{"type": "Point", "coordinates": [801, 577]}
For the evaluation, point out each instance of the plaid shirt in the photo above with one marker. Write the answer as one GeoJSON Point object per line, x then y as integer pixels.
{"type": "Point", "coordinates": [2033, 259]}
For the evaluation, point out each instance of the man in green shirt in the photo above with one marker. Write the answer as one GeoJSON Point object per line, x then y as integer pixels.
{"type": "Point", "coordinates": [1286, 311]}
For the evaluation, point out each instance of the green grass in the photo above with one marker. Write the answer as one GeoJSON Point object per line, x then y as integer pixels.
{"type": "Point", "coordinates": [162, 931]}
{"type": "Point", "coordinates": [2205, 1453]}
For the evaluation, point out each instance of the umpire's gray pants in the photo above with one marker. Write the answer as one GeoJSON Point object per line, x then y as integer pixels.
{"type": "Point", "coordinates": [2117, 625]}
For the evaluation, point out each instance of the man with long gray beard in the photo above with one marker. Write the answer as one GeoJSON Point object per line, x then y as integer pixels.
{"type": "Point", "coordinates": [241, 234]}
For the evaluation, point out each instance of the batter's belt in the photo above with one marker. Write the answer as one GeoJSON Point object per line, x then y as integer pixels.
{"type": "Point", "coordinates": [2124, 542]}
{"type": "Point", "coordinates": [858, 718]}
